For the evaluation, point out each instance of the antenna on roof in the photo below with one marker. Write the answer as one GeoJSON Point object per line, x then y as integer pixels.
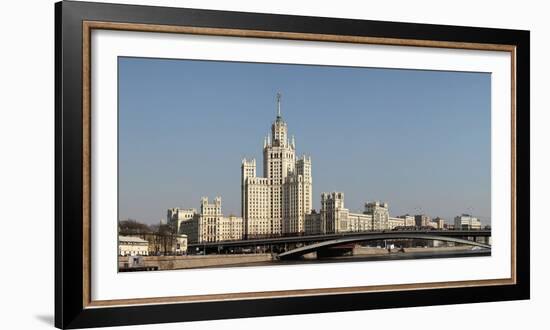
{"type": "Point", "coordinates": [278, 105]}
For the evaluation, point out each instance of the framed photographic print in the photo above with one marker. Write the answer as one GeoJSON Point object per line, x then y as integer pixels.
{"type": "Point", "coordinates": [215, 164]}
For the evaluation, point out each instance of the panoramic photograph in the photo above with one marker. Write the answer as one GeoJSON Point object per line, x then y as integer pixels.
{"type": "Point", "coordinates": [233, 164]}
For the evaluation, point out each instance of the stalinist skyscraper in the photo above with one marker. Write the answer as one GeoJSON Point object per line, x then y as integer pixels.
{"type": "Point", "coordinates": [276, 203]}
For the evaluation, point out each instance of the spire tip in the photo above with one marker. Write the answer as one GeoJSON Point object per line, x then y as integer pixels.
{"type": "Point", "coordinates": [278, 105]}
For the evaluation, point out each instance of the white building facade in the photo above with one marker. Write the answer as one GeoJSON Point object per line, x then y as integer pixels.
{"type": "Point", "coordinates": [439, 223]}
{"type": "Point", "coordinates": [180, 244]}
{"type": "Point", "coordinates": [180, 218]}
{"type": "Point", "coordinates": [209, 225]}
{"type": "Point", "coordinates": [408, 220]}
{"type": "Point", "coordinates": [334, 218]}
{"type": "Point", "coordinates": [380, 215]}
{"type": "Point", "coordinates": [467, 222]}
{"type": "Point", "coordinates": [395, 222]}
{"type": "Point", "coordinates": [277, 203]}
{"type": "Point", "coordinates": [132, 246]}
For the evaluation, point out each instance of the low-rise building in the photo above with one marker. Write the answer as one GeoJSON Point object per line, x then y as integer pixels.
{"type": "Point", "coordinates": [396, 222]}
{"type": "Point", "coordinates": [359, 222]}
{"type": "Point", "coordinates": [439, 223]}
{"type": "Point", "coordinates": [180, 244]}
{"type": "Point", "coordinates": [132, 246]}
{"type": "Point", "coordinates": [467, 222]}
{"type": "Point", "coordinates": [422, 220]}
{"type": "Point", "coordinates": [408, 220]}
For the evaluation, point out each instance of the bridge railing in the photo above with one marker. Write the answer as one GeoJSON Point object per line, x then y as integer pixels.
{"type": "Point", "coordinates": [309, 237]}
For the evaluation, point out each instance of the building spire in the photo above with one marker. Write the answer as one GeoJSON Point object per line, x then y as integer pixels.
{"type": "Point", "coordinates": [278, 105]}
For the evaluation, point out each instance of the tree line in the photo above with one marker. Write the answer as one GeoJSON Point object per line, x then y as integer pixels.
{"type": "Point", "coordinates": [161, 236]}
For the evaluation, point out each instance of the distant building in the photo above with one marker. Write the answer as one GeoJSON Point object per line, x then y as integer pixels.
{"type": "Point", "coordinates": [359, 222]}
{"type": "Point", "coordinates": [467, 222]}
{"type": "Point", "coordinates": [422, 220]}
{"type": "Point", "coordinates": [232, 228]}
{"type": "Point", "coordinates": [185, 221]}
{"type": "Point", "coordinates": [408, 220]}
{"type": "Point", "coordinates": [380, 215]}
{"type": "Point", "coordinates": [338, 219]}
{"type": "Point", "coordinates": [334, 218]}
{"type": "Point", "coordinates": [209, 225]}
{"type": "Point", "coordinates": [439, 223]}
{"type": "Point", "coordinates": [180, 244]}
{"type": "Point", "coordinates": [176, 217]}
{"type": "Point", "coordinates": [395, 222]}
{"type": "Point", "coordinates": [312, 224]}
{"type": "Point", "coordinates": [132, 246]}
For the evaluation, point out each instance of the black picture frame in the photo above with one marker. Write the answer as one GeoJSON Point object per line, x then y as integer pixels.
{"type": "Point", "coordinates": [70, 309]}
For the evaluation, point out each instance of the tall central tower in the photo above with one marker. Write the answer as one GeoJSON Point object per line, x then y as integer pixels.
{"type": "Point", "coordinates": [279, 161]}
{"type": "Point", "coordinates": [279, 152]}
{"type": "Point", "coordinates": [277, 203]}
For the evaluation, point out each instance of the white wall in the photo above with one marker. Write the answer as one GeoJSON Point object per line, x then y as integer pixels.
{"type": "Point", "coordinates": [27, 169]}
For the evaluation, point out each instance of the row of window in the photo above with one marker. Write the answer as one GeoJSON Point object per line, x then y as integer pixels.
{"type": "Point", "coordinates": [133, 253]}
{"type": "Point", "coordinates": [281, 155]}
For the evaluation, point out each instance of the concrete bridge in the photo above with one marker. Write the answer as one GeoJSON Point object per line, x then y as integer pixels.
{"type": "Point", "coordinates": [316, 247]}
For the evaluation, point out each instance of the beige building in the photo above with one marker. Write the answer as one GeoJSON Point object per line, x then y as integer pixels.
{"type": "Point", "coordinates": [209, 225]}
{"type": "Point", "coordinates": [359, 222]}
{"type": "Point", "coordinates": [338, 219]}
{"type": "Point", "coordinates": [439, 223]}
{"type": "Point", "coordinates": [179, 217]}
{"type": "Point", "coordinates": [312, 224]}
{"type": "Point", "coordinates": [422, 220]}
{"type": "Point", "coordinates": [180, 244]}
{"type": "Point", "coordinates": [394, 222]}
{"type": "Point", "coordinates": [132, 246]}
{"type": "Point", "coordinates": [467, 222]}
{"type": "Point", "coordinates": [334, 218]}
{"type": "Point", "coordinates": [408, 220]}
{"type": "Point", "coordinates": [184, 221]}
{"type": "Point", "coordinates": [278, 202]}
{"type": "Point", "coordinates": [380, 215]}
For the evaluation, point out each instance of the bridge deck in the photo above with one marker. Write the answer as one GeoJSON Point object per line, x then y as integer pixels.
{"type": "Point", "coordinates": [388, 235]}
{"type": "Point", "coordinates": [317, 238]}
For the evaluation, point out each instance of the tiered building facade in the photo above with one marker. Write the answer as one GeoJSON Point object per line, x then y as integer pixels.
{"type": "Point", "coordinates": [278, 202]}
{"type": "Point", "coordinates": [209, 225]}
{"type": "Point", "coordinates": [334, 218]}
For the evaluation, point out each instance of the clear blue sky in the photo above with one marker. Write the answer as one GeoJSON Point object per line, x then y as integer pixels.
{"type": "Point", "coordinates": [419, 140]}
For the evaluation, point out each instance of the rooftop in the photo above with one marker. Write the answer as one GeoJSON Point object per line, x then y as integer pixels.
{"type": "Point", "coordinates": [130, 239]}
